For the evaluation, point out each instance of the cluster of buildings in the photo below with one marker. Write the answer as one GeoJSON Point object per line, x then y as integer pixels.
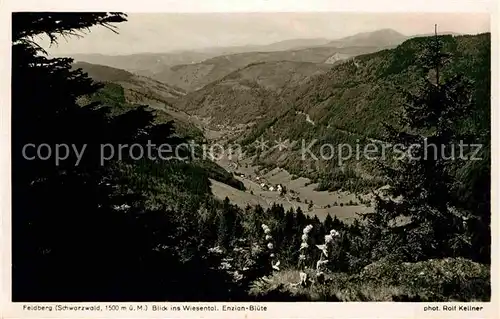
{"type": "Point", "coordinates": [262, 183]}
{"type": "Point", "coordinates": [270, 187]}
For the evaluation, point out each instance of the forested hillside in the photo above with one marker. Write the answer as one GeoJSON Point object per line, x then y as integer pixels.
{"type": "Point", "coordinates": [249, 93]}
{"type": "Point", "coordinates": [194, 76]}
{"type": "Point", "coordinates": [122, 92]}
{"type": "Point", "coordinates": [353, 100]}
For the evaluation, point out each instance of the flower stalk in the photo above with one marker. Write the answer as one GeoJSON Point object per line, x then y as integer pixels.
{"type": "Point", "coordinates": [327, 251]}
{"type": "Point", "coordinates": [270, 246]}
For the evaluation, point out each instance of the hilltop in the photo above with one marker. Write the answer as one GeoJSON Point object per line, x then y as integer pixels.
{"type": "Point", "coordinates": [136, 86]}
{"type": "Point", "coordinates": [379, 38]}
{"type": "Point", "coordinates": [124, 88]}
{"type": "Point", "coordinates": [141, 62]}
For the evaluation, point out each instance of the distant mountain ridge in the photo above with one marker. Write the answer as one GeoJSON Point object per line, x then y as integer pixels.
{"type": "Point", "coordinates": [184, 56]}
{"type": "Point", "coordinates": [295, 44]}
{"type": "Point", "coordinates": [192, 70]}
{"type": "Point", "coordinates": [143, 61]}
{"type": "Point", "coordinates": [194, 76]}
{"type": "Point", "coordinates": [137, 88]}
{"type": "Point", "coordinates": [146, 60]}
{"type": "Point", "coordinates": [381, 38]}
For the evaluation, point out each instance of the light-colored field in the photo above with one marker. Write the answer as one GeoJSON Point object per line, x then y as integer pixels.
{"type": "Point", "coordinates": [300, 192]}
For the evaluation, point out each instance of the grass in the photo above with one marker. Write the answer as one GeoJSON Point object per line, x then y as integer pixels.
{"type": "Point", "coordinates": [450, 279]}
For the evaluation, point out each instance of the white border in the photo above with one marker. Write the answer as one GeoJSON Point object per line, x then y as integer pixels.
{"type": "Point", "coordinates": [289, 310]}
{"type": "Point", "coordinates": [254, 5]}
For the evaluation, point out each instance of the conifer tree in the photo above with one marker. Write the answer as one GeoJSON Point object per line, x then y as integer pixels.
{"type": "Point", "coordinates": [94, 223]}
{"type": "Point", "coordinates": [328, 223]}
{"type": "Point", "coordinates": [419, 218]}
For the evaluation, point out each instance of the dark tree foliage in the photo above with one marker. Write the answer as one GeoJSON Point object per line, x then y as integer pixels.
{"type": "Point", "coordinates": [88, 231]}
{"type": "Point", "coordinates": [27, 25]}
{"type": "Point", "coordinates": [424, 215]}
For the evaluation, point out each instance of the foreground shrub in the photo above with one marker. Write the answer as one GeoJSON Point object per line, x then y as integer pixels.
{"type": "Point", "coordinates": [450, 279]}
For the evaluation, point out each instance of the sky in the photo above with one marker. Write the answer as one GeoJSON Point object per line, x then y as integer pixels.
{"type": "Point", "coordinates": [165, 32]}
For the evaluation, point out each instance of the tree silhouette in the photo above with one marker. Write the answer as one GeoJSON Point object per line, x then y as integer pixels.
{"type": "Point", "coordinates": [420, 217]}
{"type": "Point", "coordinates": [92, 232]}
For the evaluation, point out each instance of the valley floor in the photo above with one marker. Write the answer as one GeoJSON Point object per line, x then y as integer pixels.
{"type": "Point", "coordinates": [300, 191]}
